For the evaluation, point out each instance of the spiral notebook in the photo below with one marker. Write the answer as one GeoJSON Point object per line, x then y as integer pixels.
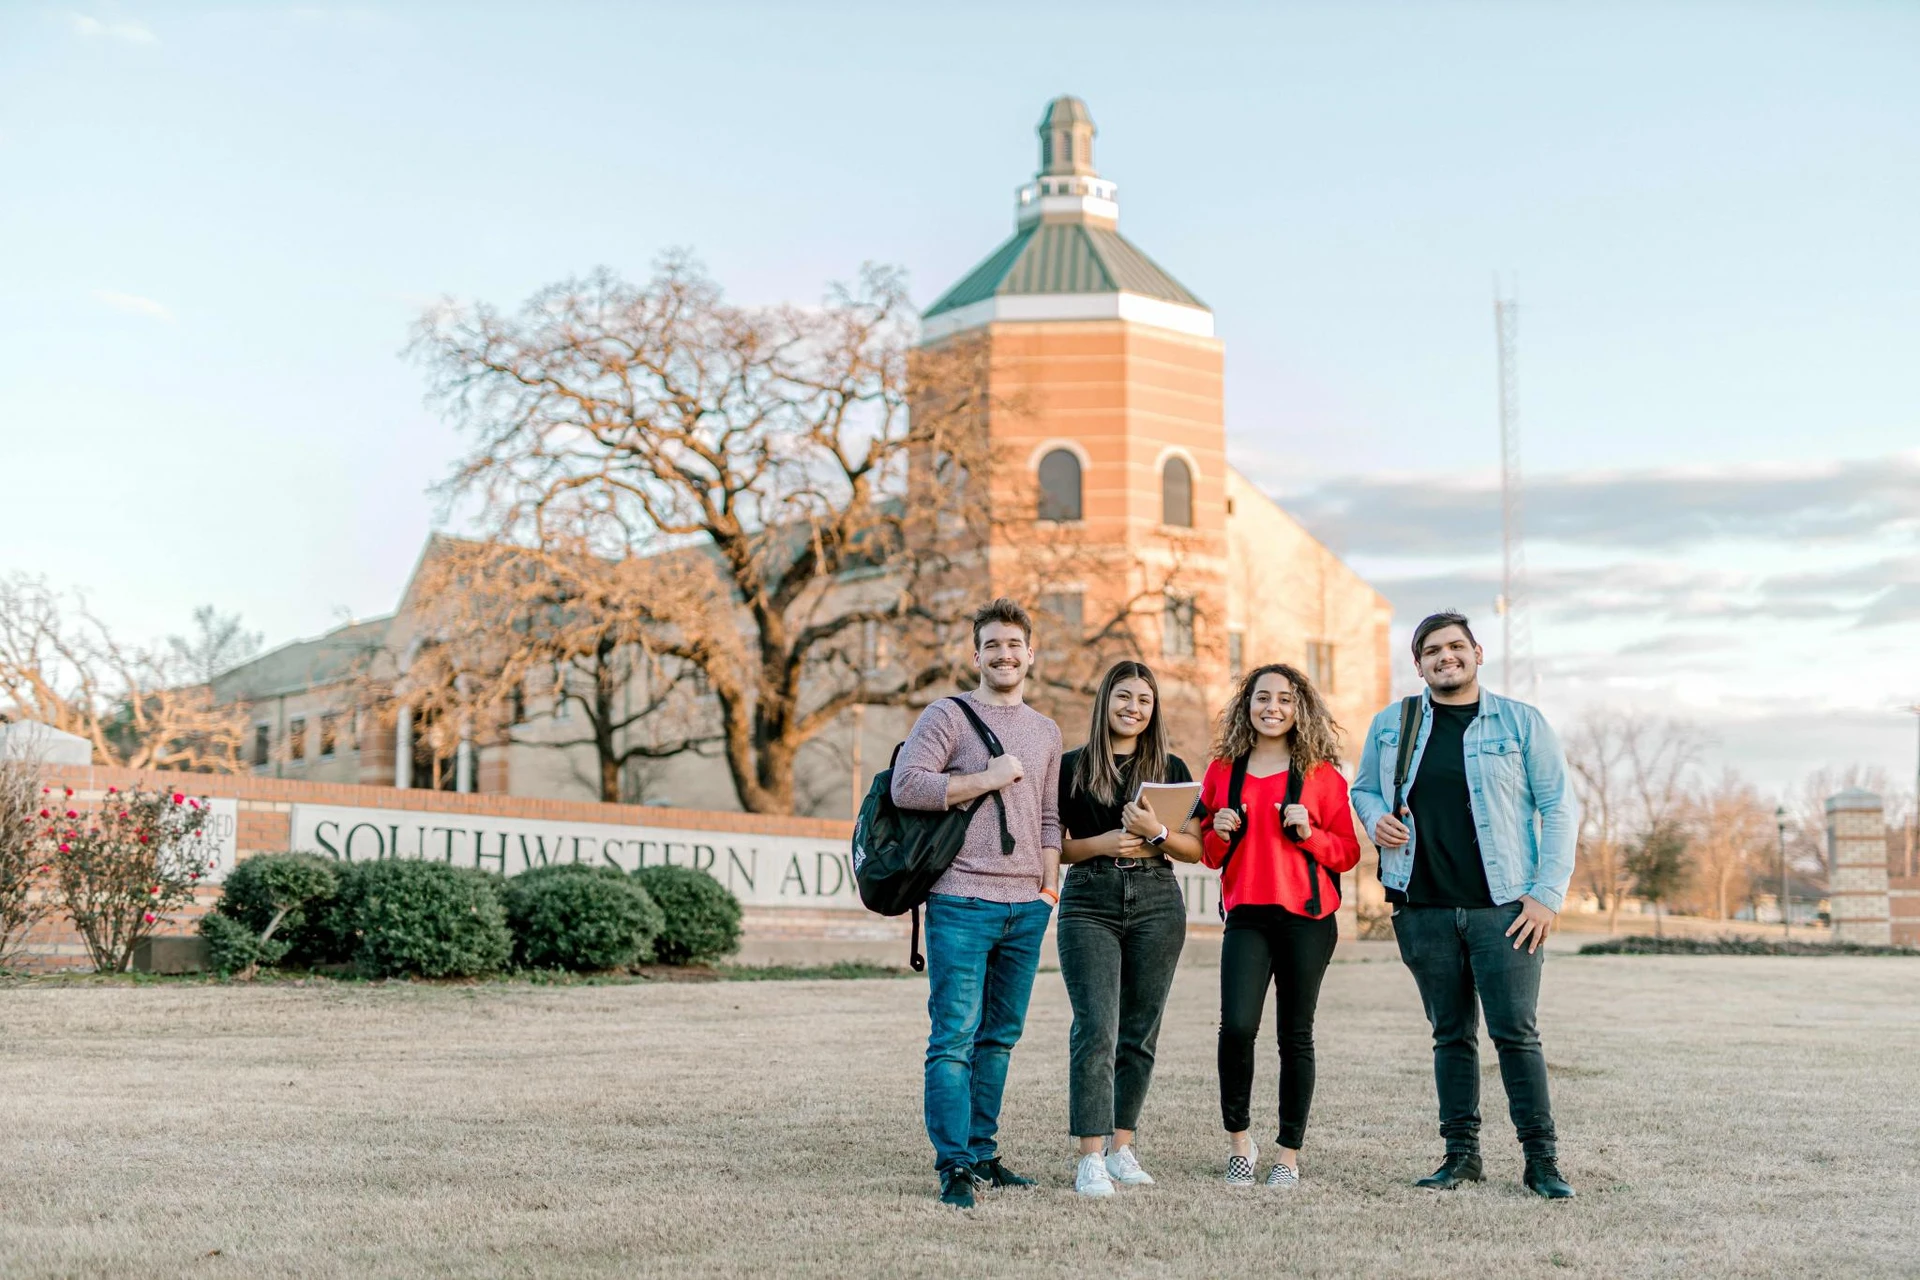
{"type": "Point", "coordinates": [1175, 803]}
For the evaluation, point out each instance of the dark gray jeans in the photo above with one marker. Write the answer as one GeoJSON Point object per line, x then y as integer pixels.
{"type": "Point", "coordinates": [1456, 954]}
{"type": "Point", "coordinates": [1120, 935]}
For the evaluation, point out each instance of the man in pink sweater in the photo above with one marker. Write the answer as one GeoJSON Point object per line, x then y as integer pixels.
{"type": "Point", "coordinates": [989, 912]}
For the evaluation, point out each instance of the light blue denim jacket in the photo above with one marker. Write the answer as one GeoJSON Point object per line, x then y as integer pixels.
{"type": "Point", "coordinates": [1523, 808]}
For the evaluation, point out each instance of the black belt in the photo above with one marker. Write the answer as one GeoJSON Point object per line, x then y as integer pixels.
{"type": "Point", "coordinates": [1124, 864]}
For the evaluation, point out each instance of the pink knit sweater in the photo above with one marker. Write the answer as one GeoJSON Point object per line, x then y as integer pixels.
{"type": "Point", "coordinates": [943, 744]}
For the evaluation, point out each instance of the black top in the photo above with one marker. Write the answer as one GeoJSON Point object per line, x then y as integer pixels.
{"type": "Point", "coordinates": [1082, 816]}
{"type": "Point", "coordinates": [1447, 871]}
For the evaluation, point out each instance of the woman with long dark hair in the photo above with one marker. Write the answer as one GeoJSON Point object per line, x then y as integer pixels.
{"type": "Point", "coordinates": [1122, 919]}
{"type": "Point", "coordinates": [1282, 833]}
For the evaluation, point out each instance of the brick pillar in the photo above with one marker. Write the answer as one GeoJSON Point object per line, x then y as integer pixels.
{"type": "Point", "coordinates": [1857, 885]}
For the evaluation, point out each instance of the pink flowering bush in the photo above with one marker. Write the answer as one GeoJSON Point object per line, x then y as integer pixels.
{"type": "Point", "coordinates": [23, 870]}
{"type": "Point", "coordinates": [122, 863]}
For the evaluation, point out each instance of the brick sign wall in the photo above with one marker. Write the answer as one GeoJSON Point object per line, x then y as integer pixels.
{"type": "Point", "coordinates": [790, 874]}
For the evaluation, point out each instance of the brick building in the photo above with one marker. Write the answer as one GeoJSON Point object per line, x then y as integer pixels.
{"type": "Point", "coordinates": [1114, 444]}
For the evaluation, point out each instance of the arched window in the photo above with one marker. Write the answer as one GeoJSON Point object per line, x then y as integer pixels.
{"type": "Point", "coordinates": [1176, 494]}
{"type": "Point", "coordinates": [1060, 486]}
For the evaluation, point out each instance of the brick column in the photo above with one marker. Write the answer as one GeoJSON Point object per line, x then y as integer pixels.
{"type": "Point", "coordinates": [1857, 884]}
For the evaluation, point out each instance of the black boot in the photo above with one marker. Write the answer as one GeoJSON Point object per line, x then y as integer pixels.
{"type": "Point", "coordinates": [1458, 1167]}
{"type": "Point", "coordinates": [956, 1187]}
{"type": "Point", "coordinates": [991, 1173]}
{"type": "Point", "coordinates": [1543, 1179]}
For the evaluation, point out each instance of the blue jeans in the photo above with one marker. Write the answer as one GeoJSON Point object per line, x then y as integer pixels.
{"type": "Point", "coordinates": [981, 957]}
{"type": "Point", "coordinates": [1458, 955]}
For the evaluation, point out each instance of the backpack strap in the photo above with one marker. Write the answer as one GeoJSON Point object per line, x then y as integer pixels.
{"type": "Point", "coordinates": [1292, 797]}
{"type": "Point", "coordinates": [994, 749]}
{"type": "Point", "coordinates": [1403, 763]}
{"type": "Point", "coordinates": [1236, 783]}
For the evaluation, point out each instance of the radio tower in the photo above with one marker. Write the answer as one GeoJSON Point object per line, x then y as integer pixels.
{"type": "Point", "coordinates": [1516, 640]}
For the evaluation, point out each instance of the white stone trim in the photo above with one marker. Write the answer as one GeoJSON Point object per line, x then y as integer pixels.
{"type": "Point", "coordinates": [1073, 447]}
{"type": "Point", "coordinates": [1193, 487]}
{"type": "Point", "coordinates": [1029, 308]}
{"type": "Point", "coordinates": [1033, 209]}
{"type": "Point", "coordinates": [1180, 452]}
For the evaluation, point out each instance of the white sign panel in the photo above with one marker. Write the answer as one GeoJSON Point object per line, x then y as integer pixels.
{"type": "Point", "coordinates": [222, 834]}
{"type": "Point", "coordinates": [760, 870]}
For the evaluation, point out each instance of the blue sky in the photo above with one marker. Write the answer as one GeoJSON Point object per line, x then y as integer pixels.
{"type": "Point", "coordinates": [221, 220]}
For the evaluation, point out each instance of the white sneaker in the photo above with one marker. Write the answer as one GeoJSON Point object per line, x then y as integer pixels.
{"type": "Point", "coordinates": [1124, 1168]}
{"type": "Point", "coordinates": [1282, 1176]}
{"type": "Point", "coordinates": [1240, 1168]}
{"type": "Point", "coordinates": [1090, 1176]}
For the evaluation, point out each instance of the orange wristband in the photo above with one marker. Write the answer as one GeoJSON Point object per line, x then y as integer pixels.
{"type": "Point", "coordinates": [1051, 895]}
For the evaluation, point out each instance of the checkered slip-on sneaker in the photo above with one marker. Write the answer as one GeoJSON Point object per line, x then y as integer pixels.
{"type": "Point", "coordinates": [1281, 1176]}
{"type": "Point", "coordinates": [1240, 1170]}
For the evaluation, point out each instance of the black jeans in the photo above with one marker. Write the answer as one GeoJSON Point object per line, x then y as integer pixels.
{"type": "Point", "coordinates": [1456, 953]}
{"type": "Point", "coordinates": [1265, 944]}
{"type": "Point", "coordinates": [1120, 935]}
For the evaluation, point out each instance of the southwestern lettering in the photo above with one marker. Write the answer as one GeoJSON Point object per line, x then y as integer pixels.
{"type": "Point", "coordinates": [759, 870]}
{"type": "Point", "coordinates": [768, 871]}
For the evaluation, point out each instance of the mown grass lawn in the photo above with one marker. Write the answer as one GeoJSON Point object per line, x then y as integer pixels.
{"type": "Point", "coordinates": [1721, 1117]}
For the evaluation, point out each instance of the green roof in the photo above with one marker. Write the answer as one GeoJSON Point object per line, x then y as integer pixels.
{"type": "Point", "coordinates": [1064, 257]}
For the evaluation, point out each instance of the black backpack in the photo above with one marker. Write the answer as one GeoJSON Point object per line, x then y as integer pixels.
{"type": "Point", "coordinates": [1235, 782]}
{"type": "Point", "coordinates": [898, 853]}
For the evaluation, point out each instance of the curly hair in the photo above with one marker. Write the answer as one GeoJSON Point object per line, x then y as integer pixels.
{"type": "Point", "coordinates": [1314, 739]}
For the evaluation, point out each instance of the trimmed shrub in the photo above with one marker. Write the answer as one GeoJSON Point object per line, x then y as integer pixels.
{"type": "Point", "coordinates": [702, 918]}
{"type": "Point", "coordinates": [422, 919]}
{"type": "Point", "coordinates": [286, 899]}
{"type": "Point", "coordinates": [534, 875]}
{"type": "Point", "coordinates": [580, 918]}
{"type": "Point", "coordinates": [233, 948]}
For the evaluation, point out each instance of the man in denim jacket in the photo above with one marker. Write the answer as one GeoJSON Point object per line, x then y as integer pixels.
{"type": "Point", "coordinates": [1476, 864]}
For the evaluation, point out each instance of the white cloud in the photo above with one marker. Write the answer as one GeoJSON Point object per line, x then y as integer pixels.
{"type": "Point", "coordinates": [134, 304]}
{"type": "Point", "coordinates": [1665, 509]}
{"type": "Point", "coordinates": [123, 29]}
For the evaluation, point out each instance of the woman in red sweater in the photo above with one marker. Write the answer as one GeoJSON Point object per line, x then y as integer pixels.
{"type": "Point", "coordinates": [1283, 848]}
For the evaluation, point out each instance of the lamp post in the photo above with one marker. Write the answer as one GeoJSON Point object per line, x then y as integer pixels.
{"type": "Point", "coordinates": [1780, 825]}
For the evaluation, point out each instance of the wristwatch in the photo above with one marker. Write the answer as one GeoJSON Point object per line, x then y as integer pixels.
{"type": "Point", "coordinates": [1161, 839]}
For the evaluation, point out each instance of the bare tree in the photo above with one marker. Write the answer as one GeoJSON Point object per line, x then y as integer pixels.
{"type": "Point", "coordinates": [523, 637]}
{"type": "Point", "coordinates": [1595, 755]}
{"type": "Point", "coordinates": [733, 509]}
{"type": "Point", "coordinates": [750, 477]}
{"type": "Point", "coordinates": [1632, 774]}
{"type": "Point", "coordinates": [1732, 839]}
{"type": "Point", "coordinates": [219, 643]}
{"type": "Point", "coordinates": [146, 708]}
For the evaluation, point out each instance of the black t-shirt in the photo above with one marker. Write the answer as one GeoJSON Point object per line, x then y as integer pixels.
{"type": "Point", "coordinates": [1447, 871]}
{"type": "Point", "coordinates": [1082, 816]}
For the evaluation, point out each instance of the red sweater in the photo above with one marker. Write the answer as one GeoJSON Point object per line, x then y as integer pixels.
{"type": "Point", "coordinates": [1268, 867]}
